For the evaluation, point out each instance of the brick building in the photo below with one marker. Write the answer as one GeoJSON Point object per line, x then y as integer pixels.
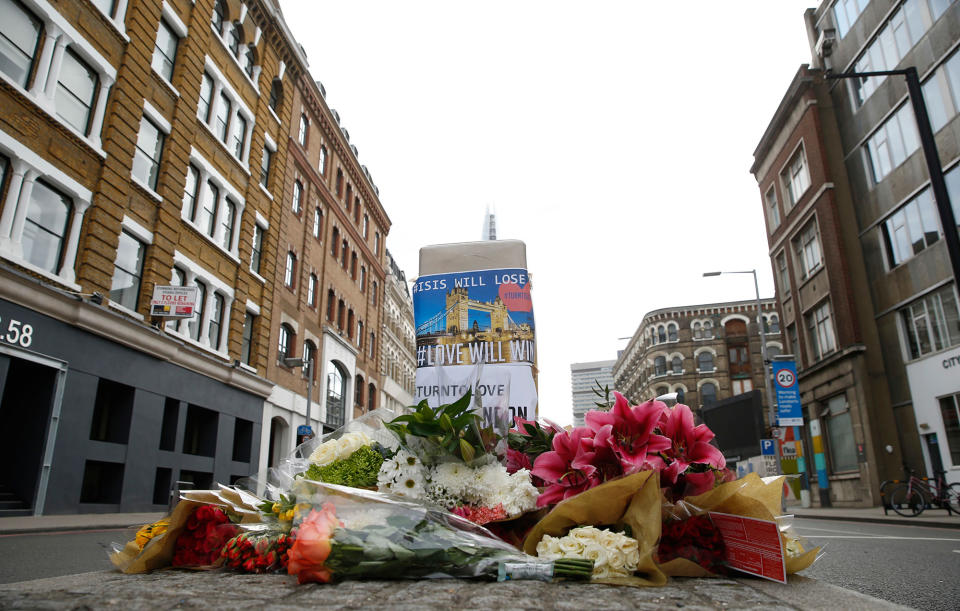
{"type": "Point", "coordinates": [863, 278]}
{"type": "Point", "coordinates": [157, 142]}
{"type": "Point", "coordinates": [710, 352]}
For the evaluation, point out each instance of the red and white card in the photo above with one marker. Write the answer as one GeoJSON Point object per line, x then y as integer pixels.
{"type": "Point", "coordinates": [753, 546]}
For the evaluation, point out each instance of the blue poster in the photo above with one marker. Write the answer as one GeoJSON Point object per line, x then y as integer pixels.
{"type": "Point", "coordinates": [476, 321]}
{"type": "Point", "coordinates": [789, 410]}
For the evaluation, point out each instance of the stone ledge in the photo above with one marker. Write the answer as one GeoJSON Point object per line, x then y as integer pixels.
{"type": "Point", "coordinates": [228, 590]}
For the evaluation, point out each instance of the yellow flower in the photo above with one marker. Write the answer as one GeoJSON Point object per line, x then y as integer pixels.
{"type": "Point", "coordinates": [276, 508]}
{"type": "Point", "coordinates": [149, 531]}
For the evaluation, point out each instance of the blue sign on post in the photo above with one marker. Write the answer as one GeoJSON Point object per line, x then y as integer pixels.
{"type": "Point", "coordinates": [789, 410]}
{"type": "Point", "coordinates": [768, 447]}
{"type": "Point", "coordinates": [304, 429]}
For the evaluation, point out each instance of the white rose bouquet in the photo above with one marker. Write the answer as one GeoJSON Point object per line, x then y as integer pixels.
{"type": "Point", "coordinates": [614, 554]}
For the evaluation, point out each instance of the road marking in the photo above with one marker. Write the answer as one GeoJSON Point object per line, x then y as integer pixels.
{"type": "Point", "coordinates": [829, 530]}
{"type": "Point", "coordinates": [47, 533]}
{"type": "Point", "coordinates": [878, 537]}
{"type": "Point", "coordinates": [956, 551]}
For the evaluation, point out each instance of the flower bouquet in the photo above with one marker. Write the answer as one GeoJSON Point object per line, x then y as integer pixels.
{"type": "Point", "coordinates": [348, 533]}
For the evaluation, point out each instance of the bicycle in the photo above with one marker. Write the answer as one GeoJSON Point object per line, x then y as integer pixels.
{"type": "Point", "coordinates": [910, 499]}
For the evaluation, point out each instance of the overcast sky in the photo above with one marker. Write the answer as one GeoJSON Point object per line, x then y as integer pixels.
{"type": "Point", "coordinates": [614, 138]}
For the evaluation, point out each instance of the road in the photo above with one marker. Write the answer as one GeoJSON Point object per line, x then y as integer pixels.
{"type": "Point", "coordinates": [914, 566]}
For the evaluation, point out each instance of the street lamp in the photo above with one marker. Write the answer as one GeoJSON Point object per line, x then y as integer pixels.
{"type": "Point", "coordinates": [299, 362]}
{"type": "Point", "coordinates": [771, 411]}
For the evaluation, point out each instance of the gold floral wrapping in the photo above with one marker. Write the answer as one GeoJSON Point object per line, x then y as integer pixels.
{"type": "Point", "coordinates": [750, 497]}
{"type": "Point", "coordinates": [633, 500]}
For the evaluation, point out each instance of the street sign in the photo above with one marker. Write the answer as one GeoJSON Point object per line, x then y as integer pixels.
{"type": "Point", "coordinates": [304, 432]}
{"type": "Point", "coordinates": [788, 449]}
{"type": "Point", "coordinates": [789, 409]}
{"type": "Point", "coordinates": [173, 301]}
{"type": "Point", "coordinates": [768, 447]}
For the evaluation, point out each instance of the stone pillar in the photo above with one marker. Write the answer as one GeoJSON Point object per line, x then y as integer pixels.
{"type": "Point", "coordinates": [18, 168]}
{"type": "Point", "coordinates": [73, 239]}
{"type": "Point", "coordinates": [53, 77]}
{"type": "Point", "coordinates": [43, 64]}
{"type": "Point", "coordinates": [26, 192]}
{"type": "Point", "coordinates": [100, 109]}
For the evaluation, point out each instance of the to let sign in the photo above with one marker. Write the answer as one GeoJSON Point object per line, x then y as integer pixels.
{"type": "Point", "coordinates": [789, 410]}
{"type": "Point", "coordinates": [173, 301]}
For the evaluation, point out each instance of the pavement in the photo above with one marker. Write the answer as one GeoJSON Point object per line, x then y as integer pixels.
{"type": "Point", "coordinates": [169, 589]}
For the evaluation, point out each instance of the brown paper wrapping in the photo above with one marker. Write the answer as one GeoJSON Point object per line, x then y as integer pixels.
{"type": "Point", "coordinates": [633, 500]}
{"type": "Point", "coordinates": [158, 552]}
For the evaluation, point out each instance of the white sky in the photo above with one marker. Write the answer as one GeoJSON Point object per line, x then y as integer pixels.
{"type": "Point", "coordinates": [614, 138]}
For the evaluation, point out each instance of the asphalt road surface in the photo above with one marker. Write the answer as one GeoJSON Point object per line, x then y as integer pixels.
{"type": "Point", "coordinates": [914, 566]}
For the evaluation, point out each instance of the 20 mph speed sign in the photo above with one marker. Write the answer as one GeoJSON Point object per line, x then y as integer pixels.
{"type": "Point", "coordinates": [789, 411]}
{"type": "Point", "coordinates": [785, 378]}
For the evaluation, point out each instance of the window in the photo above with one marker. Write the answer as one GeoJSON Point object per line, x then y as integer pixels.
{"type": "Point", "coordinates": [661, 334]}
{"type": "Point", "coordinates": [207, 214]}
{"type": "Point", "coordinates": [950, 413]}
{"type": "Point", "coordinates": [190, 192]}
{"type": "Point", "coordinates": [910, 229]}
{"type": "Point", "coordinates": [322, 164]}
{"type": "Point", "coordinates": [276, 95]}
{"type": "Point", "coordinates": [193, 327]}
{"type": "Point", "coordinates": [931, 323]}
{"type": "Point", "coordinates": [248, 60]}
{"type": "Point", "coordinates": [229, 220]}
{"type": "Point", "coordinates": [366, 226]}
{"type": "Point", "coordinates": [697, 330]}
{"type": "Point", "coordinates": [349, 200]}
{"type": "Point", "coordinates": [341, 310]}
{"type": "Point", "coordinates": [772, 323]}
{"type": "Point", "coordinates": [807, 247]}
{"type": "Point", "coordinates": [373, 345]}
{"type": "Point", "coordinates": [312, 291]}
{"type": "Point", "coordinates": [941, 93]}
{"type": "Point", "coordinates": [845, 13]}
{"type": "Point", "coordinates": [677, 365]}
{"type": "Point", "coordinates": [19, 41]}
{"type": "Point", "coordinates": [331, 296]}
{"type": "Point", "coordinates": [820, 330]}
{"type": "Point", "coordinates": [363, 279]}
{"type": "Point", "coordinates": [773, 210]}
{"type": "Point", "coordinates": [376, 243]}
{"type": "Point", "coordinates": [672, 332]}
{"type": "Point", "coordinates": [285, 341]}
{"type": "Point", "coordinates": [256, 249]}
{"type": "Point", "coordinates": [343, 254]}
{"type": "Point", "coordinates": [219, 13]}
{"type": "Point", "coordinates": [890, 46]}
{"type": "Point", "coordinates": [246, 343]}
{"type": "Point", "coordinates": [707, 330]}
{"type": "Point", "coordinates": [76, 91]}
{"type": "Point", "coordinates": [45, 228]}
{"type": "Point", "coordinates": [289, 269]}
{"type": "Point", "coordinates": [353, 265]}
{"type": "Point", "coordinates": [239, 136]}
{"type": "Point", "coordinates": [841, 447]}
{"type": "Point", "coordinates": [705, 362]}
{"type": "Point", "coordinates": [206, 98]}
{"type": "Point", "coordinates": [892, 143]}
{"type": "Point", "coordinates": [222, 120]}
{"type": "Point", "coordinates": [233, 41]}
{"type": "Point", "coordinates": [373, 293]}
{"type": "Point", "coordinates": [335, 411]}
{"type": "Point", "coordinates": [165, 51]}
{"type": "Point", "coordinates": [127, 271]}
{"type": "Point", "coordinates": [317, 222]}
{"type": "Point", "coordinates": [334, 242]}
{"type": "Point", "coordinates": [358, 395]}
{"type": "Point", "coordinates": [146, 158]}
{"type": "Point", "coordinates": [795, 179]}
{"type": "Point", "coordinates": [356, 210]}
{"type": "Point", "coordinates": [708, 394]}
{"type": "Point", "coordinates": [371, 397]}
{"type": "Point", "coordinates": [216, 321]}
{"type": "Point", "coordinates": [297, 193]}
{"type": "Point", "coordinates": [265, 162]}
{"type": "Point", "coordinates": [783, 275]}
{"type": "Point", "coordinates": [339, 183]}
{"type": "Point", "coordinates": [740, 386]}
{"type": "Point", "coordinates": [302, 132]}
{"type": "Point", "coordinates": [660, 366]}
{"type": "Point", "coordinates": [351, 323]}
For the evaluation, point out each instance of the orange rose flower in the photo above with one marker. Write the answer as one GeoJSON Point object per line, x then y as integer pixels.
{"type": "Point", "coordinates": [312, 546]}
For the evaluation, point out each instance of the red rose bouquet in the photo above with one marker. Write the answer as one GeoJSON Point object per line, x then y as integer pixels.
{"type": "Point", "coordinates": [206, 532]}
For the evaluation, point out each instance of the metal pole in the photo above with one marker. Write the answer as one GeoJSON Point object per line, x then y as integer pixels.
{"type": "Point", "coordinates": [771, 410]}
{"type": "Point", "coordinates": [309, 390]}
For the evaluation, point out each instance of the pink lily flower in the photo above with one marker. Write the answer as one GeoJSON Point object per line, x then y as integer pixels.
{"type": "Point", "coordinates": [688, 444]}
{"type": "Point", "coordinates": [629, 432]}
{"type": "Point", "coordinates": [568, 469]}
